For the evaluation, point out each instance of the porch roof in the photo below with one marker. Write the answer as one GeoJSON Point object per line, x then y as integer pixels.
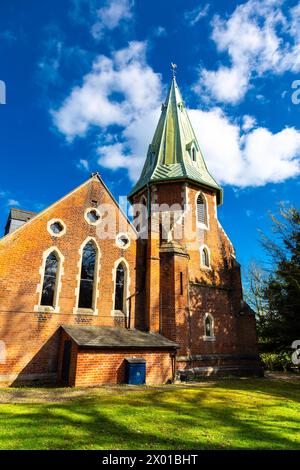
{"type": "Point", "coordinates": [104, 337]}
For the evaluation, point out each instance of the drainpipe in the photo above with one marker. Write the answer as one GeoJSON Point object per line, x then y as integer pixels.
{"type": "Point", "coordinates": [189, 314]}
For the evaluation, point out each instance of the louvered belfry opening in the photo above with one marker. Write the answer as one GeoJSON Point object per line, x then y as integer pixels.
{"type": "Point", "coordinates": [201, 210]}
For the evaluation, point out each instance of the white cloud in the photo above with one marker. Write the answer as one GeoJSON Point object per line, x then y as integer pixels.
{"type": "Point", "coordinates": [7, 200]}
{"type": "Point", "coordinates": [159, 31]}
{"type": "Point", "coordinates": [120, 91]}
{"type": "Point", "coordinates": [258, 38]}
{"type": "Point", "coordinates": [131, 154]}
{"type": "Point", "coordinates": [251, 158]}
{"type": "Point", "coordinates": [83, 165]}
{"type": "Point", "coordinates": [194, 16]}
{"type": "Point", "coordinates": [13, 203]}
{"type": "Point", "coordinates": [248, 122]}
{"type": "Point", "coordinates": [9, 36]}
{"type": "Point", "coordinates": [124, 91]}
{"type": "Point", "coordinates": [117, 91]}
{"type": "Point", "coordinates": [110, 16]}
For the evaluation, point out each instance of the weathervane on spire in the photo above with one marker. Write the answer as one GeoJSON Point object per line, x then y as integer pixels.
{"type": "Point", "coordinates": [173, 67]}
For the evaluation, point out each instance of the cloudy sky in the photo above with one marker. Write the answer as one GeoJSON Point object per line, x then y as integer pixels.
{"type": "Point", "coordinates": [85, 80]}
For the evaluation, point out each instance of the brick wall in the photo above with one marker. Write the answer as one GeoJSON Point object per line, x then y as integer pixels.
{"type": "Point", "coordinates": [32, 337]}
{"type": "Point", "coordinates": [97, 367]}
{"type": "Point", "coordinates": [216, 290]}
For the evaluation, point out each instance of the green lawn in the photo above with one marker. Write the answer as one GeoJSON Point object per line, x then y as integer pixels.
{"type": "Point", "coordinates": [227, 414]}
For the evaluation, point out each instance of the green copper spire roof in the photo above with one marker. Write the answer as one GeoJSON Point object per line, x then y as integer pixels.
{"type": "Point", "coordinates": [174, 152]}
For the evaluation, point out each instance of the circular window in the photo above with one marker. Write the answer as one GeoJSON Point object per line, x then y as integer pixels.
{"type": "Point", "coordinates": [123, 241]}
{"type": "Point", "coordinates": [92, 216]}
{"type": "Point", "coordinates": [56, 228]}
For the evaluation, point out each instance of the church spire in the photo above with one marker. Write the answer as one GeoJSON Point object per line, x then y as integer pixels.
{"type": "Point", "coordinates": [174, 153]}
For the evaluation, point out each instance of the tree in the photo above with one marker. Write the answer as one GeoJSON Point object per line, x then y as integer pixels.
{"type": "Point", "coordinates": [275, 293]}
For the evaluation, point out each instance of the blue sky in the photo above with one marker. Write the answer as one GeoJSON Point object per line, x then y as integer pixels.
{"type": "Point", "coordinates": [85, 80]}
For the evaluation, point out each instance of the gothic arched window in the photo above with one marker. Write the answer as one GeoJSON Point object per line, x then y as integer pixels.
{"type": "Point", "coordinates": [50, 280]}
{"type": "Point", "coordinates": [120, 288]}
{"type": "Point", "coordinates": [209, 326]}
{"type": "Point", "coordinates": [87, 276]}
{"type": "Point", "coordinates": [205, 257]}
{"type": "Point", "coordinates": [201, 210]}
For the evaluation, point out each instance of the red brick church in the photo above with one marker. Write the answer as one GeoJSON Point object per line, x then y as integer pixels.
{"type": "Point", "coordinates": [83, 288]}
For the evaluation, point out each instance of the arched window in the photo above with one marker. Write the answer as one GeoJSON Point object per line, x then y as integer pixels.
{"type": "Point", "coordinates": [205, 258]}
{"type": "Point", "coordinates": [120, 288]}
{"type": "Point", "coordinates": [87, 276]}
{"type": "Point", "coordinates": [50, 280]}
{"type": "Point", "coordinates": [193, 154]}
{"type": "Point", "coordinates": [208, 326]}
{"type": "Point", "coordinates": [201, 210]}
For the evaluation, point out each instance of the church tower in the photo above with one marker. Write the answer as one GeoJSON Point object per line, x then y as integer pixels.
{"type": "Point", "coordinates": [188, 278]}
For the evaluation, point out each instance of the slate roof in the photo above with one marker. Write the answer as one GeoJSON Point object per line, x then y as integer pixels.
{"type": "Point", "coordinates": [104, 337]}
{"type": "Point", "coordinates": [170, 153]}
{"type": "Point", "coordinates": [19, 214]}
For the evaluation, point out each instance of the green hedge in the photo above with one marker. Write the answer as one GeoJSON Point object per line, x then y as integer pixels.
{"type": "Point", "coordinates": [277, 361]}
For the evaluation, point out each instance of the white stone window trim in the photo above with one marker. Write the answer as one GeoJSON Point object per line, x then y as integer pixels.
{"type": "Point", "coordinates": [200, 224]}
{"type": "Point", "coordinates": [203, 266]}
{"type": "Point", "coordinates": [120, 235]}
{"type": "Point", "coordinates": [59, 221]}
{"type": "Point", "coordinates": [88, 311]}
{"type": "Point", "coordinates": [92, 209]}
{"type": "Point", "coordinates": [119, 313]}
{"type": "Point", "coordinates": [60, 272]}
{"type": "Point", "coordinates": [212, 337]}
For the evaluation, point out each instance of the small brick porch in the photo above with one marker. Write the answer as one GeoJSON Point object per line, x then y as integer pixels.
{"type": "Point", "coordinates": [96, 355]}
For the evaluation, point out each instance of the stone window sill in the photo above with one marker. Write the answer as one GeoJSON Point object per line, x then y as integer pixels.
{"type": "Point", "coordinates": [46, 309]}
{"type": "Point", "coordinates": [209, 338]}
{"type": "Point", "coordinates": [86, 311]}
{"type": "Point", "coordinates": [118, 313]}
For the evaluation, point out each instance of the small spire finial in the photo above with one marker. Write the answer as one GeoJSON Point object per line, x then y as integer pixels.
{"type": "Point", "coordinates": [173, 67]}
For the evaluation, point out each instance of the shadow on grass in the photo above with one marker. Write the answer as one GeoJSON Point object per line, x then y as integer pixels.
{"type": "Point", "coordinates": [219, 417]}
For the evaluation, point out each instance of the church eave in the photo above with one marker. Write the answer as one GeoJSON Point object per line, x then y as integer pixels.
{"type": "Point", "coordinates": [140, 188]}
